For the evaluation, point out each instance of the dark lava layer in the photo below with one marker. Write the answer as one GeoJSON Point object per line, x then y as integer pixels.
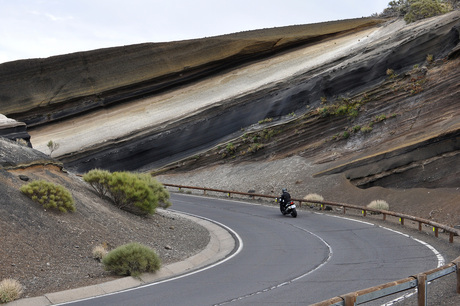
{"type": "Point", "coordinates": [71, 86]}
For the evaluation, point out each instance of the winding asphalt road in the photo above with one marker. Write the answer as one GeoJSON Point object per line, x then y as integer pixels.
{"type": "Point", "coordinates": [284, 260]}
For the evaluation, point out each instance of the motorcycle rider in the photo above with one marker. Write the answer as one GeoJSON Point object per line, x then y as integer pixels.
{"type": "Point", "coordinates": [285, 197]}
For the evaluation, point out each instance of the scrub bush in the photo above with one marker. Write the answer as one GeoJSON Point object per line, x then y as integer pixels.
{"type": "Point", "coordinates": [132, 194]}
{"type": "Point", "coordinates": [49, 195]}
{"type": "Point", "coordinates": [131, 259]}
{"type": "Point", "coordinates": [313, 197]}
{"type": "Point", "coordinates": [99, 252]}
{"type": "Point", "coordinates": [98, 179]}
{"type": "Point", "coordinates": [10, 290]}
{"type": "Point", "coordinates": [136, 193]}
{"type": "Point", "coordinates": [379, 204]}
{"type": "Point", "coordinates": [421, 9]}
{"type": "Point", "coordinates": [158, 189]}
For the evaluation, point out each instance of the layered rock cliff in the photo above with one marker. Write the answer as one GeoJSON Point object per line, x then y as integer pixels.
{"type": "Point", "coordinates": [197, 94]}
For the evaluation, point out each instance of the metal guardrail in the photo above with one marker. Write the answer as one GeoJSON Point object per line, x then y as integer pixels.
{"type": "Point", "coordinates": [402, 217]}
{"type": "Point", "coordinates": [418, 281]}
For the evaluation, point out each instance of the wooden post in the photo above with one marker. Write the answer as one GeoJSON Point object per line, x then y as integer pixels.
{"type": "Point", "coordinates": [384, 217]}
{"type": "Point", "coordinates": [402, 221]}
{"type": "Point", "coordinates": [457, 263]}
{"type": "Point", "coordinates": [364, 212]}
{"type": "Point", "coordinates": [451, 237]}
{"type": "Point", "coordinates": [421, 289]}
{"type": "Point", "coordinates": [436, 231]}
{"type": "Point", "coordinates": [350, 299]}
{"type": "Point", "coordinates": [420, 226]}
{"type": "Point", "coordinates": [204, 191]}
{"type": "Point", "coordinates": [344, 210]}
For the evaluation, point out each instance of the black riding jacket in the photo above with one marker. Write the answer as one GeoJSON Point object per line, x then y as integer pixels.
{"type": "Point", "coordinates": [285, 198]}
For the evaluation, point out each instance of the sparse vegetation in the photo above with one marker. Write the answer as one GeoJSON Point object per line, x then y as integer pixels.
{"type": "Point", "coordinates": [99, 251]}
{"type": "Point", "coordinates": [136, 193]}
{"type": "Point", "coordinates": [52, 146]}
{"type": "Point", "coordinates": [266, 120]}
{"type": "Point", "coordinates": [366, 129]}
{"type": "Point", "coordinates": [391, 74]}
{"type": "Point", "coordinates": [379, 204]}
{"type": "Point", "coordinates": [413, 10]}
{"type": "Point", "coordinates": [49, 195]}
{"type": "Point", "coordinates": [10, 290]}
{"type": "Point", "coordinates": [312, 198]}
{"type": "Point", "coordinates": [131, 259]}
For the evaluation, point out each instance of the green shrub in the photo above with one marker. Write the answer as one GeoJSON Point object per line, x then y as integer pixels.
{"type": "Point", "coordinates": [98, 179]}
{"type": "Point", "coordinates": [136, 193]}
{"type": "Point", "coordinates": [10, 290]}
{"type": "Point", "coordinates": [421, 9]}
{"type": "Point", "coordinates": [158, 189]}
{"type": "Point", "coordinates": [132, 194]}
{"type": "Point", "coordinates": [131, 259]}
{"type": "Point", "coordinates": [49, 195]}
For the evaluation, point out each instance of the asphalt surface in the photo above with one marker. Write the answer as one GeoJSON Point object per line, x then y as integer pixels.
{"type": "Point", "coordinates": [282, 260]}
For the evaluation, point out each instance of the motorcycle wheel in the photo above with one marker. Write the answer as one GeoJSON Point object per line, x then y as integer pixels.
{"type": "Point", "coordinates": [294, 213]}
{"type": "Point", "coordinates": [283, 211]}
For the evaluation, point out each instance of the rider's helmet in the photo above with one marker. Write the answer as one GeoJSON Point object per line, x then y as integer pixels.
{"type": "Point", "coordinates": [284, 190]}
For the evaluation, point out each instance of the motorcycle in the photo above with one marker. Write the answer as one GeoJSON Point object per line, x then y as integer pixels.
{"type": "Point", "coordinates": [288, 208]}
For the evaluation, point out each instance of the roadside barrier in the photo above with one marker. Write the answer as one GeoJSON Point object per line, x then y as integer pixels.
{"type": "Point", "coordinates": [418, 281]}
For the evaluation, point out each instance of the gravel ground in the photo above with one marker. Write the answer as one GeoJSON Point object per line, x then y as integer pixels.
{"type": "Point", "coordinates": [48, 252]}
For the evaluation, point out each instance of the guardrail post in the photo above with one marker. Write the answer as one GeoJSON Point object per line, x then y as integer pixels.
{"type": "Point", "coordinates": [384, 217]}
{"type": "Point", "coordinates": [402, 221]}
{"type": "Point", "coordinates": [344, 210]}
{"type": "Point", "coordinates": [350, 299]}
{"type": "Point", "coordinates": [364, 212]}
{"type": "Point", "coordinates": [419, 226]}
{"type": "Point", "coordinates": [457, 263]}
{"type": "Point", "coordinates": [204, 191]}
{"type": "Point", "coordinates": [421, 289]}
{"type": "Point", "coordinates": [451, 237]}
{"type": "Point", "coordinates": [436, 231]}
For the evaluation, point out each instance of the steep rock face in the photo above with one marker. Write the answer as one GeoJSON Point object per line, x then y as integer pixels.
{"type": "Point", "coordinates": [356, 70]}
{"type": "Point", "coordinates": [13, 156]}
{"type": "Point", "coordinates": [13, 130]}
{"type": "Point", "coordinates": [361, 69]}
{"type": "Point", "coordinates": [37, 91]}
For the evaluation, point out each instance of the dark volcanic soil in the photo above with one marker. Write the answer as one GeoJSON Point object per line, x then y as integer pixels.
{"type": "Point", "coordinates": [48, 252]}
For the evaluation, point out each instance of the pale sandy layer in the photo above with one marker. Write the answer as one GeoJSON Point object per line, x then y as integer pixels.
{"type": "Point", "coordinates": [105, 125]}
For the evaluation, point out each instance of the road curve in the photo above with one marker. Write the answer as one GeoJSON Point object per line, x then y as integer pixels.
{"type": "Point", "coordinates": [284, 260]}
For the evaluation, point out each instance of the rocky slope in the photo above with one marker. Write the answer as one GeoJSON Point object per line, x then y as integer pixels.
{"type": "Point", "coordinates": [48, 251]}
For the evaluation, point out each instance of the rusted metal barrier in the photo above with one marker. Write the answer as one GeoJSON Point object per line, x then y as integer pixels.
{"type": "Point", "coordinates": [418, 281]}
{"type": "Point", "coordinates": [402, 217]}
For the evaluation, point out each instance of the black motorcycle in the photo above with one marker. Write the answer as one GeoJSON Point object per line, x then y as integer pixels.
{"type": "Point", "coordinates": [288, 208]}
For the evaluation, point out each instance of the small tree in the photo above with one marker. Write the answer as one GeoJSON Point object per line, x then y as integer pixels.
{"type": "Point", "coordinates": [52, 146]}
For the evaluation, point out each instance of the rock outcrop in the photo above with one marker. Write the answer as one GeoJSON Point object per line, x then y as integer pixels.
{"type": "Point", "coordinates": [14, 130]}
{"type": "Point", "coordinates": [38, 91]}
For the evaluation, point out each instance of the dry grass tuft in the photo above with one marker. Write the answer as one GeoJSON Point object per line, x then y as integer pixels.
{"type": "Point", "coordinates": [10, 290]}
